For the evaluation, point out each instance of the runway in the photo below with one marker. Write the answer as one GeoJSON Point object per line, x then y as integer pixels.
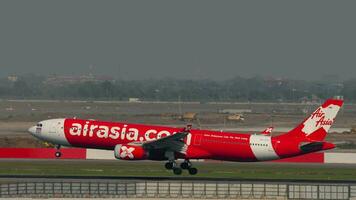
{"type": "Point", "coordinates": [31, 169]}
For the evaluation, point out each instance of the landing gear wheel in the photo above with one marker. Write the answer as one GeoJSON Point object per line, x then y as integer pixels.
{"type": "Point", "coordinates": [193, 171]}
{"type": "Point", "coordinates": [177, 171]}
{"type": "Point", "coordinates": [58, 154]}
{"type": "Point", "coordinates": [185, 165]}
{"type": "Point", "coordinates": [170, 165]}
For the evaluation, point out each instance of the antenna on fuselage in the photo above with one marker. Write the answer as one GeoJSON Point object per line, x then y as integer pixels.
{"type": "Point", "coordinates": [198, 122]}
{"type": "Point", "coordinates": [188, 127]}
{"type": "Point", "coordinates": [272, 125]}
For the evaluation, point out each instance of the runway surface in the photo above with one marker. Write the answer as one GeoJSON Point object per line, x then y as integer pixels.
{"type": "Point", "coordinates": [108, 179]}
{"type": "Point", "coordinates": [114, 170]}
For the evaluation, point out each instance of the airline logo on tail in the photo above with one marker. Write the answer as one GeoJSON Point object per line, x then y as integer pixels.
{"type": "Point", "coordinates": [323, 117]}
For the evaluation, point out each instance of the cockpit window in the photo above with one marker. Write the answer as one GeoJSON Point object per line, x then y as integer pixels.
{"type": "Point", "coordinates": [39, 125]}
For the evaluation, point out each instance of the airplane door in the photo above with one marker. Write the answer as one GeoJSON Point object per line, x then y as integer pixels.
{"type": "Point", "coordinates": [53, 128]}
{"type": "Point", "coordinates": [197, 139]}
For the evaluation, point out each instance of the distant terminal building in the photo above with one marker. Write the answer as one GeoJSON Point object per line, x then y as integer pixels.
{"type": "Point", "coordinates": [339, 97]}
{"type": "Point", "coordinates": [71, 79]}
{"type": "Point", "coordinates": [134, 99]}
{"type": "Point", "coordinates": [311, 100]}
{"type": "Point", "coordinates": [234, 111]}
{"type": "Point", "coordinates": [273, 82]}
{"type": "Point", "coordinates": [12, 78]}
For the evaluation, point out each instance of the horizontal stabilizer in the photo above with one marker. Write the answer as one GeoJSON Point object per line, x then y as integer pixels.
{"type": "Point", "coordinates": [316, 146]}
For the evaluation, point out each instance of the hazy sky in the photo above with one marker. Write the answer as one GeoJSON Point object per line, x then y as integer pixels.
{"type": "Point", "coordinates": [181, 39]}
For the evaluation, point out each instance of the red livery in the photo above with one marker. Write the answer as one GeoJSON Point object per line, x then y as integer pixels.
{"type": "Point", "coordinates": [140, 142]}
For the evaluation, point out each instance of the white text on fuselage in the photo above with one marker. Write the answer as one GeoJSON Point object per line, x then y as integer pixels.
{"type": "Point", "coordinates": [123, 132]}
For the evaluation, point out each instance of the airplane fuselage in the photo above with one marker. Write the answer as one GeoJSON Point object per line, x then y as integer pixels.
{"type": "Point", "coordinates": [200, 143]}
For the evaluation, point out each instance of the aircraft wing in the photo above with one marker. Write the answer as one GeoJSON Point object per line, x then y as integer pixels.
{"type": "Point", "coordinates": [173, 143]}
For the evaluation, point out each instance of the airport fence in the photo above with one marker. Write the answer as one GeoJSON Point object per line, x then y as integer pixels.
{"type": "Point", "coordinates": [177, 189]}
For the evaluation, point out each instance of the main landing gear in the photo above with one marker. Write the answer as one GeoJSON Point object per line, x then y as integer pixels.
{"type": "Point", "coordinates": [177, 170]}
{"type": "Point", "coordinates": [188, 165]}
{"type": "Point", "coordinates": [172, 165]}
{"type": "Point", "coordinates": [58, 153]}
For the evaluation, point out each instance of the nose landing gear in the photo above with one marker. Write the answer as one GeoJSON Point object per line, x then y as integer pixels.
{"type": "Point", "coordinates": [58, 153]}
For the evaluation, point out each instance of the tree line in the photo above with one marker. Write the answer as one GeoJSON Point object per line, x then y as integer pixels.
{"type": "Point", "coordinates": [236, 89]}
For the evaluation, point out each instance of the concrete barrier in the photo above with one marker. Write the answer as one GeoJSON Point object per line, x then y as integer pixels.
{"type": "Point", "coordinates": [197, 189]}
{"type": "Point", "coordinates": [100, 154]}
{"type": "Point", "coordinates": [346, 158]}
{"type": "Point", "coordinates": [42, 153]}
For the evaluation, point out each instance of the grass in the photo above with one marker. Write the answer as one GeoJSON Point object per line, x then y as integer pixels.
{"type": "Point", "coordinates": [155, 169]}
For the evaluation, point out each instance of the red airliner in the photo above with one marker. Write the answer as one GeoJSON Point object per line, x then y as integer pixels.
{"type": "Point", "coordinates": [141, 142]}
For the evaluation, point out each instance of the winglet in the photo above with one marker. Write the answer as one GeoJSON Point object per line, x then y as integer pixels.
{"type": "Point", "coordinates": [268, 131]}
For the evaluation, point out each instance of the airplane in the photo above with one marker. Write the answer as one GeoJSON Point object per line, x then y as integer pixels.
{"type": "Point", "coordinates": [147, 142]}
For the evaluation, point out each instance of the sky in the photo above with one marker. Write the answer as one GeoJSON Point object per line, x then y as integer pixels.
{"type": "Point", "coordinates": [199, 39]}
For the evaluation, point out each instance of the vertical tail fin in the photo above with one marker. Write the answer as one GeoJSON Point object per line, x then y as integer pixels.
{"type": "Point", "coordinates": [317, 125]}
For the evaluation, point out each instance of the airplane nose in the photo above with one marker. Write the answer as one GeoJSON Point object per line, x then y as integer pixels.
{"type": "Point", "coordinates": [32, 130]}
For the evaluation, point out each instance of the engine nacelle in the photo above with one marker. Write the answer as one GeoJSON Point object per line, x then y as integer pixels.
{"type": "Point", "coordinates": [128, 152]}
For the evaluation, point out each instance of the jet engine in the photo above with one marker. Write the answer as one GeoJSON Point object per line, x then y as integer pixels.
{"type": "Point", "coordinates": [129, 152]}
